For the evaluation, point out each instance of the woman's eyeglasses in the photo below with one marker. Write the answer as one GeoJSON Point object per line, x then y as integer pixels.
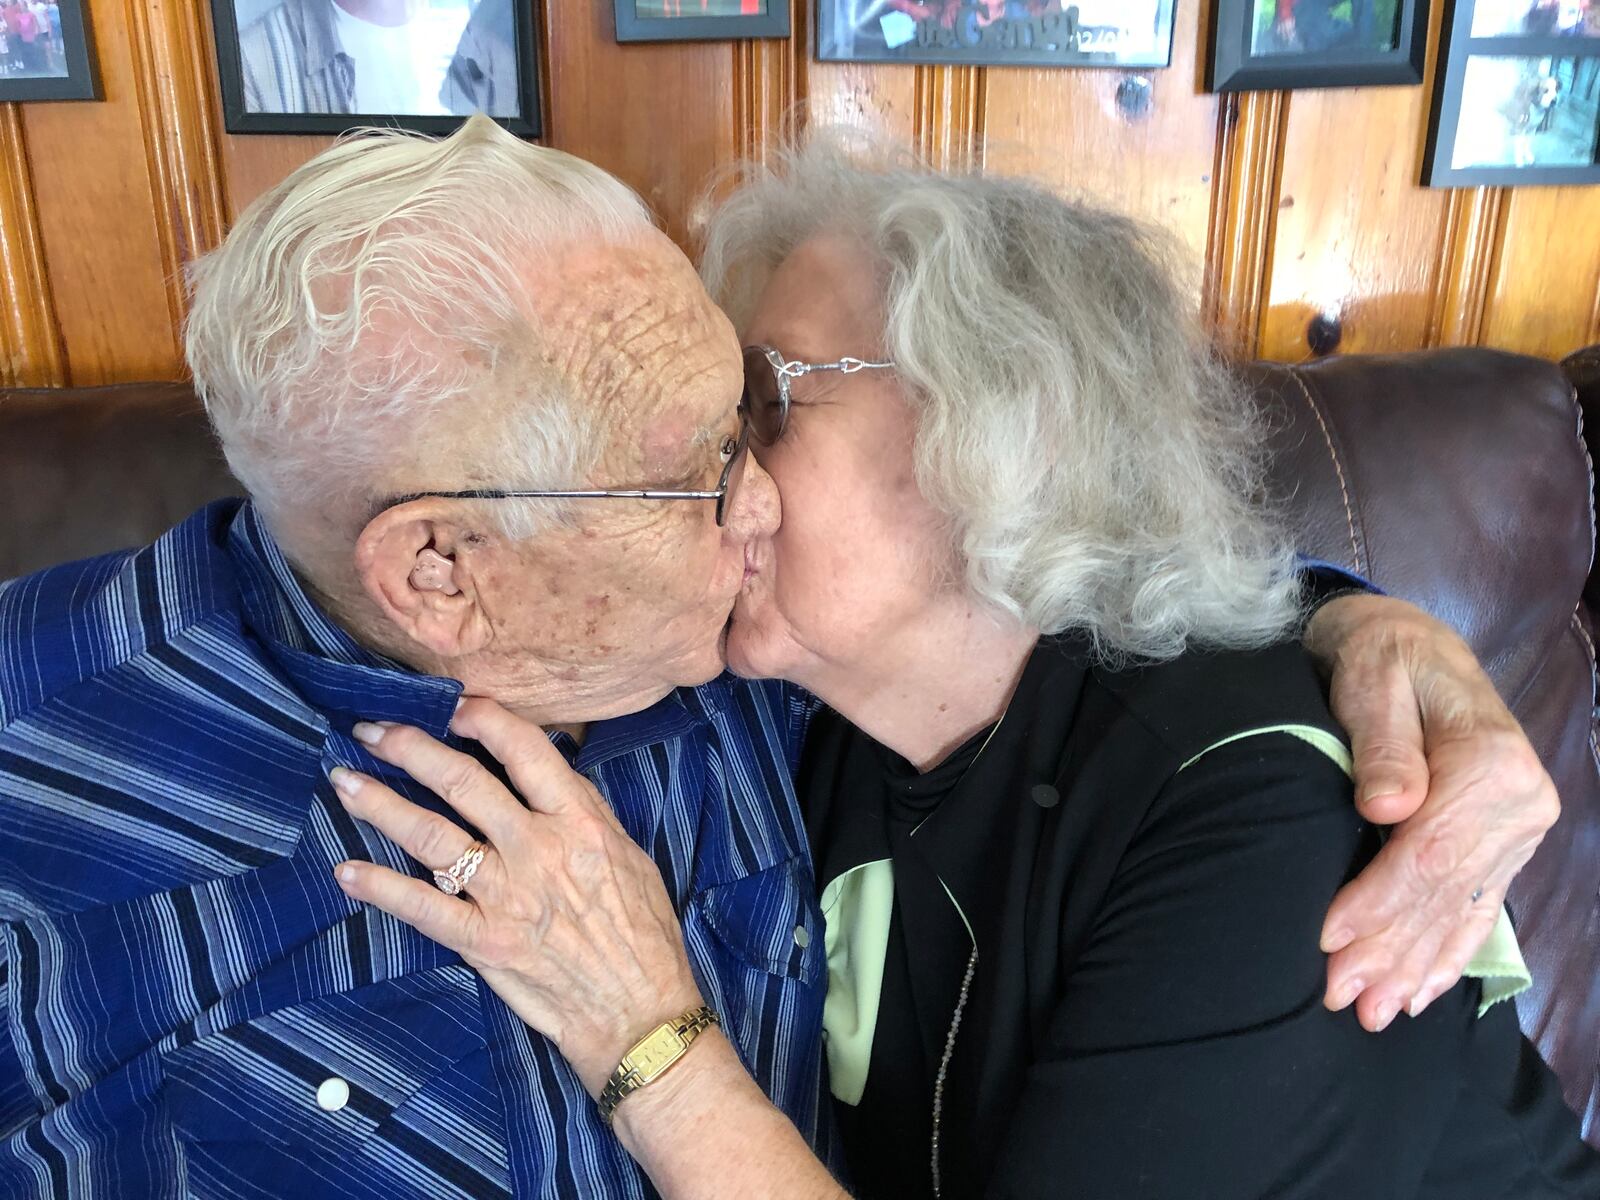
{"type": "Point", "coordinates": [766, 386]}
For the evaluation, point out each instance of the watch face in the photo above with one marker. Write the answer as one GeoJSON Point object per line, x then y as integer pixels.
{"type": "Point", "coordinates": [656, 1053]}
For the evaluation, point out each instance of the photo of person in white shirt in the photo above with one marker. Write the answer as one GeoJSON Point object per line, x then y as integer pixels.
{"type": "Point", "coordinates": [378, 57]}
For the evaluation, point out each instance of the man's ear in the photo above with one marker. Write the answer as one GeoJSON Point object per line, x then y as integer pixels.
{"type": "Point", "coordinates": [406, 561]}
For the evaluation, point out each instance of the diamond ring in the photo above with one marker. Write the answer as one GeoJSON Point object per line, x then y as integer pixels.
{"type": "Point", "coordinates": [455, 878]}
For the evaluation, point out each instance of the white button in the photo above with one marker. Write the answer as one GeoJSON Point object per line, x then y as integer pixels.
{"type": "Point", "coordinates": [333, 1095]}
{"type": "Point", "coordinates": [801, 937]}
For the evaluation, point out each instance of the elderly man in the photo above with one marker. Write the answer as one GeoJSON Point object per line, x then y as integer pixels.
{"type": "Point", "coordinates": [490, 426]}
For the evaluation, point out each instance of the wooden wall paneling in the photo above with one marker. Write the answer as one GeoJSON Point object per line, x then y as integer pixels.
{"type": "Point", "coordinates": [1070, 129]}
{"type": "Point", "coordinates": [1358, 240]}
{"type": "Point", "coordinates": [769, 80]}
{"type": "Point", "coordinates": [880, 96]}
{"type": "Point", "coordinates": [658, 115]}
{"type": "Point", "coordinates": [1469, 247]}
{"type": "Point", "coordinates": [254, 162]}
{"type": "Point", "coordinates": [30, 342]}
{"type": "Point", "coordinates": [97, 217]}
{"type": "Point", "coordinates": [1240, 238]}
{"type": "Point", "coordinates": [950, 114]}
{"type": "Point", "coordinates": [1545, 288]}
{"type": "Point", "coordinates": [174, 82]}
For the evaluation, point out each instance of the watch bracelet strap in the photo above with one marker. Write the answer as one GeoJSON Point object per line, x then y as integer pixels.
{"type": "Point", "coordinates": [623, 1083]}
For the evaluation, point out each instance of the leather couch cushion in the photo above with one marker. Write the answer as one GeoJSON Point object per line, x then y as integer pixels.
{"type": "Point", "coordinates": [87, 470]}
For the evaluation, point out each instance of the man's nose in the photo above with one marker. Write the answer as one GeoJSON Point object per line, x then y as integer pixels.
{"type": "Point", "coordinates": [756, 510]}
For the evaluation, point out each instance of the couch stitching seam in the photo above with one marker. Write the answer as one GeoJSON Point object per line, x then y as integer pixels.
{"type": "Point", "coordinates": [1594, 685]}
{"type": "Point", "coordinates": [1344, 490]}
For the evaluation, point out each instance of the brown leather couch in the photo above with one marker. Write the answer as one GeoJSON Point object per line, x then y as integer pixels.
{"type": "Point", "coordinates": [1458, 479]}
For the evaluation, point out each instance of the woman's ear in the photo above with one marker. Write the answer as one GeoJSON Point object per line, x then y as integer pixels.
{"type": "Point", "coordinates": [407, 563]}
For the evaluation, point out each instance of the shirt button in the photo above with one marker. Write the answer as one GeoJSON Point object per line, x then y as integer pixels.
{"type": "Point", "coordinates": [1045, 795]}
{"type": "Point", "coordinates": [802, 937]}
{"type": "Point", "coordinates": [333, 1095]}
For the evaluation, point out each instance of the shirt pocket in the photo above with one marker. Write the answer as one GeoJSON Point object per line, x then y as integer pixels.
{"type": "Point", "coordinates": [387, 1090]}
{"type": "Point", "coordinates": [770, 920]}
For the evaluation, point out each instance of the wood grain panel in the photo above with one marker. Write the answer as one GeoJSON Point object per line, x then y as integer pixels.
{"type": "Point", "coordinates": [1357, 240]}
{"type": "Point", "coordinates": [1469, 247]}
{"type": "Point", "coordinates": [1239, 240]}
{"type": "Point", "coordinates": [769, 77]}
{"type": "Point", "coordinates": [173, 76]}
{"type": "Point", "coordinates": [1067, 128]}
{"type": "Point", "coordinates": [255, 162]}
{"type": "Point", "coordinates": [658, 115]}
{"type": "Point", "coordinates": [1301, 204]}
{"type": "Point", "coordinates": [94, 193]}
{"type": "Point", "coordinates": [883, 97]}
{"type": "Point", "coordinates": [30, 343]}
{"type": "Point", "coordinates": [1546, 281]}
{"type": "Point", "coordinates": [764, 82]}
{"type": "Point", "coordinates": [950, 114]}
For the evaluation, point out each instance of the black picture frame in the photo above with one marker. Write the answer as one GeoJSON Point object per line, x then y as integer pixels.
{"type": "Point", "coordinates": [1057, 38]}
{"type": "Point", "coordinates": [82, 80]}
{"type": "Point", "coordinates": [236, 118]}
{"type": "Point", "coordinates": [1458, 51]}
{"type": "Point", "coordinates": [1234, 65]}
{"type": "Point", "coordinates": [631, 27]}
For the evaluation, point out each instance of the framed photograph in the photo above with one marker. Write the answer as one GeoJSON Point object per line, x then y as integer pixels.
{"type": "Point", "coordinates": [1273, 45]}
{"type": "Point", "coordinates": [1518, 95]}
{"type": "Point", "coordinates": [997, 33]}
{"type": "Point", "coordinates": [45, 52]}
{"type": "Point", "coordinates": [700, 20]}
{"type": "Point", "coordinates": [324, 66]}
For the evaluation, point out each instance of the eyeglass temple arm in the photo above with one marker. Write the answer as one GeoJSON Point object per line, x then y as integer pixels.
{"type": "Point", "coordinates": [847, 366]}
{"type": "Point", "coordinates": [568, 495]}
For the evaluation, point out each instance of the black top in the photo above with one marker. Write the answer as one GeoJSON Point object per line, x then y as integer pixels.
{"type": "Point", "coordinates": [1145, 1016]}
{"type": "Point", "coordinates": [888, 1135]}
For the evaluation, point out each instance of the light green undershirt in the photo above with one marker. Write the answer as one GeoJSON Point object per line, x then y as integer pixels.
{"type": "Point", "coordinates": [857, 907]}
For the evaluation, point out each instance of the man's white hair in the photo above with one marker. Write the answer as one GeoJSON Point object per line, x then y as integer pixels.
{"type": "Point", "coordinates": [1101, 471]}
{"type": "Point", "coordinates": [346, 321]}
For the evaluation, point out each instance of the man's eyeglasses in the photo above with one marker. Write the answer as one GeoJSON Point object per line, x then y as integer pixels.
{"type": "Point", "coordinates": [733, 449]}
{"type": "Point", "coordinates": [766, 386]}
{"type": "Point", "coordinates": [763, 411]}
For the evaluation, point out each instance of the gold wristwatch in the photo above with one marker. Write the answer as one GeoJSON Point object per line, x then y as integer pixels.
{"type": "Point", "coordinates": [653, 1055]}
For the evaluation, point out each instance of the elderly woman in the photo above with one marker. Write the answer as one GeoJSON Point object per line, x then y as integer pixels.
{"type": "Point", "coordinates": [1076, 800]}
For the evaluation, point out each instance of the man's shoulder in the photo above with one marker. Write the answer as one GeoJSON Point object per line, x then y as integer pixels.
{"type": "Point", "coordinates": [1205, 696]}
{"type": "Point", "coordinates": [68, 624]}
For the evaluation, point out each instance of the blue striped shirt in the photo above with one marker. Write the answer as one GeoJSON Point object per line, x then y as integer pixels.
{"type": "Point", "coordinates": [179, 973]}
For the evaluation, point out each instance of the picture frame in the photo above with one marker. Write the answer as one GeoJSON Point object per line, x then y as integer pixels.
{"type": "Point", "coordinates": [481, 52]}
{"type": "Point", "coordinates": [1128, 34]}
{"type": "Point", "coordinates": [1516, 98]}
{"type": "Point", "coordinates": [696, 20]}
{"type": "Point", "coordinates": [1285, 45]}
{"type": "Point", "coordinates": [56, 63]}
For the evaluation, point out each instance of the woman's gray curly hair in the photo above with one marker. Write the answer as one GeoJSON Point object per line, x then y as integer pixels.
{"type": "Point", "coordinates": [1100, 468]}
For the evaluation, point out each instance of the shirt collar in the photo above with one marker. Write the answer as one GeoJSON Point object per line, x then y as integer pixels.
{"type": "Point", "coordinates": [331, 670]}
{"type": "Point", "coordinates": [349, 683]}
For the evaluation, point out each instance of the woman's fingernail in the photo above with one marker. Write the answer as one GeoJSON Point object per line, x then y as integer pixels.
{"type": "Point", "coordinates": [1350, 991]}
{"type": "Point", "coordinates": [1336, 941]}
{"type": "Point", "coordinates": [345, 780]}
{"type": "Point", "coordinates": [346, 873]}
{"type": "Point", "coordinates": [1385, 1014]}
{"type": "Point", "coordinates": [368, 732]}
